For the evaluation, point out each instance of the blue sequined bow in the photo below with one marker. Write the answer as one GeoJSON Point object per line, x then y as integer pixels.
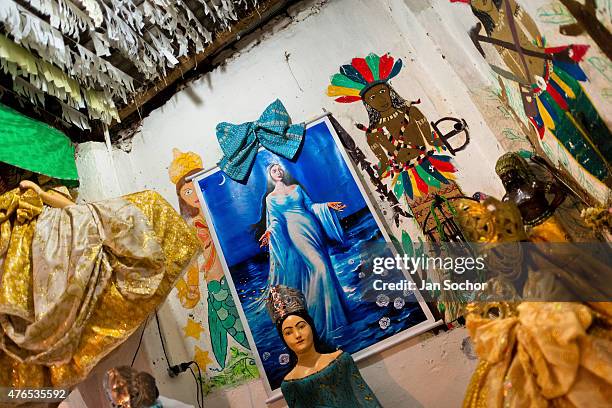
{"type": "Point", "coordinates": [272, 130]}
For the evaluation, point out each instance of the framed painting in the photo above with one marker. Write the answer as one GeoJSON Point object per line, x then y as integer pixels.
{"type": "Point", "coordinates": [310, 225]}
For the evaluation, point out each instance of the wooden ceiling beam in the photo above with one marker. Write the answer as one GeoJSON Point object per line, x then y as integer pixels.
{"type": "Point", "coordinates": [222, 40]}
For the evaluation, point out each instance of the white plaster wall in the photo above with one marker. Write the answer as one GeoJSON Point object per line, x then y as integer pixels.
{"type": "Point", "coordinates": [318, 39]}
{"type": "Point", "coordinates": [318, 36]}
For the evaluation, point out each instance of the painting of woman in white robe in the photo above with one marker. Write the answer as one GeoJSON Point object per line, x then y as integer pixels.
{"type": "Point", "coordinates": [305, 224]}
{"type": "Point", "coordinates": [297, 231]}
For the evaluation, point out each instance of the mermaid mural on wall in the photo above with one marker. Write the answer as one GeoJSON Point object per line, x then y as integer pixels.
{"type": "Point", "coordinates": [296, 232]}
{"type": "Point", "coordinates": [549, 79]}
{"type": "Point", "coordinates": [235, 364]}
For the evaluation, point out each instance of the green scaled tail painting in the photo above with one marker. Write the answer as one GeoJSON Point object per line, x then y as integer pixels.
{"type": "Point", "coordinates": [224, 320]}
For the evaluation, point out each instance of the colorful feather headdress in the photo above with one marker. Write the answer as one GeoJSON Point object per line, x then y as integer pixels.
{"type": "Point", "coordinates": [363, 73]}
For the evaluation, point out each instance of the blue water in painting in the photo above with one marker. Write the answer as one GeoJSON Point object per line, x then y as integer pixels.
{"type": "Point", "coordinates": [321, 170]}
{"type": "Point", "coordinates": [250, 278]}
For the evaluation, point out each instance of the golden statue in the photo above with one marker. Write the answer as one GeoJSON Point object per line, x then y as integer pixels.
{"type": "Point", "coordinates": [536, 353]}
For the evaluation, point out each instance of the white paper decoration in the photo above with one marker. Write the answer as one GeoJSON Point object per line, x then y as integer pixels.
{"type": "Point", "coordinates": [25, 89]}
{"type": "Point", "coordinates": [152, 36]}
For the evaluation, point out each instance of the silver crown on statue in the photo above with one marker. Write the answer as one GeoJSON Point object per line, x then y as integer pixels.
{"type": "Point", "coordinates": [284, 300]}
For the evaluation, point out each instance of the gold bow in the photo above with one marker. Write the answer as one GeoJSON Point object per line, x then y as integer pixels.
{"type": "Point", "coordinates": [539, 353]}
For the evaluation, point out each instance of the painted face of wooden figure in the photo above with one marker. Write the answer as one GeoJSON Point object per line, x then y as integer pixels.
{"type": "Point", "coordinates": [298, 334]}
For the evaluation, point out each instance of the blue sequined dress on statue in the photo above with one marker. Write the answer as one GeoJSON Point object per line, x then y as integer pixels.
{"type": "Point", "coordinates": [299, 258]}
{"type": "Point", "coordinates": [339, 385]}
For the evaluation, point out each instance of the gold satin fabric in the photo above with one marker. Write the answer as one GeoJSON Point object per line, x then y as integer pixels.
{"type": "Point", "coordinates": [550, 230]}
{"type": "Point", "coordinates": [538, 354]}
{"type": "Point", "coordinates": [17, 224]}
{"type": "Point", "coordinates": [543, 354]}
{"type": "Point", "coordinates": [77, 282]}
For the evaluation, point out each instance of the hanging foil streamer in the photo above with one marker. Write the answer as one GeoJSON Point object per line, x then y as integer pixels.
{"type": "Point", "coordinates": [222, 11]}
{"type": "Point", "coordinates": [33, 33]}
{"type": "Point", "coordinates": [65, 16]}
{"type": "Point", "coordinates": [132, 46]}
{"type": "Point", "coordinates": [193, 21]}
{"type": "Point", "coordinates": [75, 117]}
{"type": "Point", "coordinates": [101, 44]}
{"type": "Point", "coordinates": [89, 70]}
{"type": "Point", "coordinates": [100, 106]}
{"type": "Point", "coordinates": [92, 8]}
{"type": "Point", "coordinates": [19, 62]}
{"type": "Point", "coordinates": [25, 89]}
{"type": "Point", "coordinates": [152, 36]}
{"type": "Point", "coordinates": [163, 45]}
{"type": "Point", "coordinates": [98, 73]}
{"type": "Point", "coordinates": [175, 17]}
{"type": "Point", "coordinates": [128, 12]}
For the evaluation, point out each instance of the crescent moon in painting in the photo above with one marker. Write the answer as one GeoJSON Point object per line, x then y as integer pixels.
{"type": "Point", "coordinates": [223, 182]}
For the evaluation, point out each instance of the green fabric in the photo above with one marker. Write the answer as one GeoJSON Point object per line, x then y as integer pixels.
{"type": "Point", "coordinates": [339, 385]}
{"type": "Point", "coordinates": [35, 146]}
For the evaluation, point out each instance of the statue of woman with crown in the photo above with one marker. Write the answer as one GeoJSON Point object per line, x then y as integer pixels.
{"type": "Point", "coordinates": [319, 375]}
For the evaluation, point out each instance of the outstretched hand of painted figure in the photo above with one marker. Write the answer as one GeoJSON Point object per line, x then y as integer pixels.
{"type": "Point", "coordinates": [264, 240]}
{"type": "Point", "coordinates": [336, 205]}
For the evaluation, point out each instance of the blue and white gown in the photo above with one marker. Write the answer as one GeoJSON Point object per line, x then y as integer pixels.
{"type": "Point", "coordinates": [299, 258]}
